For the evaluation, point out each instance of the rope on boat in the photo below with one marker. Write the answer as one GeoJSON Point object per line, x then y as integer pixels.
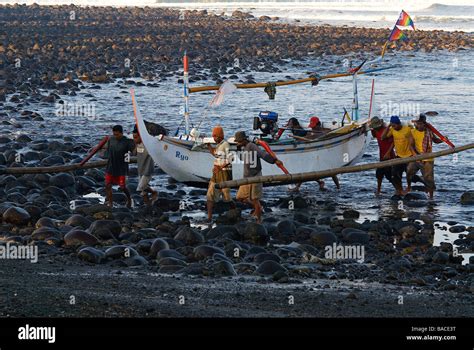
{"type": "Point", "coordinates": [276, 180]}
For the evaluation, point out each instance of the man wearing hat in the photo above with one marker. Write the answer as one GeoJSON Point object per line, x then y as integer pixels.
{"type": "Point", "coordinates": [221, 171]}
{"type": "Point", "coordinates": [317, 129]}
{"type": "Point", "coordinates": [403, 148]}
{"type": "Point", "coordinates": [251, 155]}
{"type": "Point", "coordinates": [386, 152]}
{"type": "Point", "coordinates": [422, 142]}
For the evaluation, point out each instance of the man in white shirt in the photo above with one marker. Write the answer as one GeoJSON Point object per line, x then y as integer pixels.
{"type": "Point", "coordinates": [222, 171]}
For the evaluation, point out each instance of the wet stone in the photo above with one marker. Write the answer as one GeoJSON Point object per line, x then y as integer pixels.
{"type": "Point", "coordinates": [269, 267]}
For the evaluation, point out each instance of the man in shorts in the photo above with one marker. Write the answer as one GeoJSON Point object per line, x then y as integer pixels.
{"type": "Point", "coordinates": [118, 152]}
{"type": "Point", "coordinates": [252, 155]}
{"type": "Point", "coordinates": [146, 166]}
{"type": "Point", "coordinates": [422, 142]}
{"type": "Point", "coordinates": [386, 152]}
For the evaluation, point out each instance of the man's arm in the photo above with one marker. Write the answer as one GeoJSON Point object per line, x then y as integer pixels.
{"type": "Point", "coordinates": [211, 149]}
{"type": "Point", "coordinates": [106, 147]}
{"type": "Point", "coordinates": [386, 133]}
{"type": "Point", "coordinates": [411, 140]}
{"type": "Point", "coordinates": [264, 155]}
{"type": "Point", "coordinates": [387, 154]}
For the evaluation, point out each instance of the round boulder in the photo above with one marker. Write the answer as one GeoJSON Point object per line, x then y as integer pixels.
{"type": "Point", "coordinates": [189, 236]}
{"type": "Point", "coordinates": [78, 237]}
{"type": "Point", "coordinates": [323, 238]}
{"type": "Point", "coordinates": [105, 228]}
{"type": "Point", "coordinates": [256, 234]}
{"type": "Point", "coordinates": [352, 235]}
{"type": "Point", "coordinates": [16, 216]}
{"type": "Point", "coordinates": [270, 267]}
{"type": "Point", "coordinates": [77, 220]}
{"type": "Point", "coordinates": [91, 255]}
{"type": "Point", "coordinates": [205, 251]}
{"type": "Point", "coordinates": [158, 245]}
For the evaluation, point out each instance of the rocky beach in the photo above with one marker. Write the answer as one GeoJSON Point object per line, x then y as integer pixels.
{"type": "Point", "coordinates": [162, 260]}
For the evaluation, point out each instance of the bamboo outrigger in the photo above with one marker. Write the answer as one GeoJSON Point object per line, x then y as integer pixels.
{"type": "Point", "coordinates": [275, 180]}
{"type": "Point", "coordinates": [56, 168]}
{"type": "Point", "coordinates": [287, 82]}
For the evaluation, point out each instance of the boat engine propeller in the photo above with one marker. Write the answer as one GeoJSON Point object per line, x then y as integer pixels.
{"type": "Point", "coordinates": [266, 122]}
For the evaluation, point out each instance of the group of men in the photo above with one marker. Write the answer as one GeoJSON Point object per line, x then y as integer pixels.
{"type": "Point", "coordinates": [397, 140]}
{"type": "Point", "coordinates": [251, 155]}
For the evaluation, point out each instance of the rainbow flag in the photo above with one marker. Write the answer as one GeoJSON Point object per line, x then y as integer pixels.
{"type": "Point", "coordinates": [404, 20]}
{"type": "Point", "coordinates": [397, 34]}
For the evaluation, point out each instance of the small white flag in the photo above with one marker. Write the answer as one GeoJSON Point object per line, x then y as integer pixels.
{"type": "Point", "coordinates": [226, 88]}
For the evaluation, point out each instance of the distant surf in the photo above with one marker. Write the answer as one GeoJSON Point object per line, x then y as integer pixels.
{"type": "Point", "coordinates": [450, 15]}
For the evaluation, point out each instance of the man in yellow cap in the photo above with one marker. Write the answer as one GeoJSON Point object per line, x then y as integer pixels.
{"type": "Point", "coordinates": [222, 171]}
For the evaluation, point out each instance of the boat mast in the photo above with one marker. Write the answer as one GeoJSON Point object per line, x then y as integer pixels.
{"type": "Point", "coordinates": [355, 101]}
{"type": "Point", "coordinates": [186, 92]}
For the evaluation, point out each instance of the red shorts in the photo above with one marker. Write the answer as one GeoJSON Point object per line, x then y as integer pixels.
{"type": "Point", "coordinates": [115, 180]}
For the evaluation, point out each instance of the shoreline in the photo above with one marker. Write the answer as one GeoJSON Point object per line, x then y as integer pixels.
{"type": "Point", "coordinates": [152, 43]}
{"type": "Point", "coordinates": [148, 294]}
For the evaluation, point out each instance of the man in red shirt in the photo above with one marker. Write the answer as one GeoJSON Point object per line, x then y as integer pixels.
{"type": "Point", "coordinates": [378, 127]}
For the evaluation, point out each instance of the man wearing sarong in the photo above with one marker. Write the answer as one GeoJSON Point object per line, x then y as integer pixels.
{"type": "Point", "coordinates": [222, 171]}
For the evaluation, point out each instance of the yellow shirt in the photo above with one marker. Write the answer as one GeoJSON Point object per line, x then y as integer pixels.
{"type": "Point", "coordinates": [401, 141]}
{"type": "Point", "coordinates": [418, 136]}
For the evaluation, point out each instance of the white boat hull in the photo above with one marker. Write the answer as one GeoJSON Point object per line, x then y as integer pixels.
{"type": "Point", "coordinates": [186, 163]}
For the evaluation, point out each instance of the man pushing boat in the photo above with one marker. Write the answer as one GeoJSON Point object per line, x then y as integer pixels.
{"type": "Point", "coordinates": [221, 171]}
{"type": "Point", "coordinates": [145, 166]}
{"type": "Point", "coordinates": [422, 142]}
{"type": "Point", "coordinates": [251, 154]}
{"type": "Point", "coordinates": [386, 152]}
{"type": "Point", "coordinates": [402, 140]}
{"type": "Point", "coordinates": [118, 152]}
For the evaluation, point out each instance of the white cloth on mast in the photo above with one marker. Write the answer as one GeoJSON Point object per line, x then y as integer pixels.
{"type": "Point", "coordinates": [226, 88]}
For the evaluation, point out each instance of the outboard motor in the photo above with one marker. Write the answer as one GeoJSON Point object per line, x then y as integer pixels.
{"type": "Point", "coordinates": [266, 122]}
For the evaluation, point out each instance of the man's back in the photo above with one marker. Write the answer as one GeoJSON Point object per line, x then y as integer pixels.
{"type": "Point", "coordinates": [116, 152]}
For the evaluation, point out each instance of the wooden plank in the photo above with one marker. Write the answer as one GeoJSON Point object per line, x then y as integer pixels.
{"type": "Point", "coordinates": [57, 168]}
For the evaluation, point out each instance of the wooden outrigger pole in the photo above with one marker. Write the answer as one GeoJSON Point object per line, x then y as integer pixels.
{"type": "Point", "coordinates": [288, 82]}
{"type": "Point", "coordinates": [56, 168]}
{"type": "Point", "coordinates": [275, 180]}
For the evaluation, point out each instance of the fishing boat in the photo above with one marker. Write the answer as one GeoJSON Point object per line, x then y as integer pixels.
{"type": "Point", "coordinates": [185, 158]}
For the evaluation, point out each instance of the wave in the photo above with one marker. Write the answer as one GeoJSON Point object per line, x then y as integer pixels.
{"type": "Point", "coordinates": [444, 19]}
{"type": "Point", "coordinates": [438, 6]}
